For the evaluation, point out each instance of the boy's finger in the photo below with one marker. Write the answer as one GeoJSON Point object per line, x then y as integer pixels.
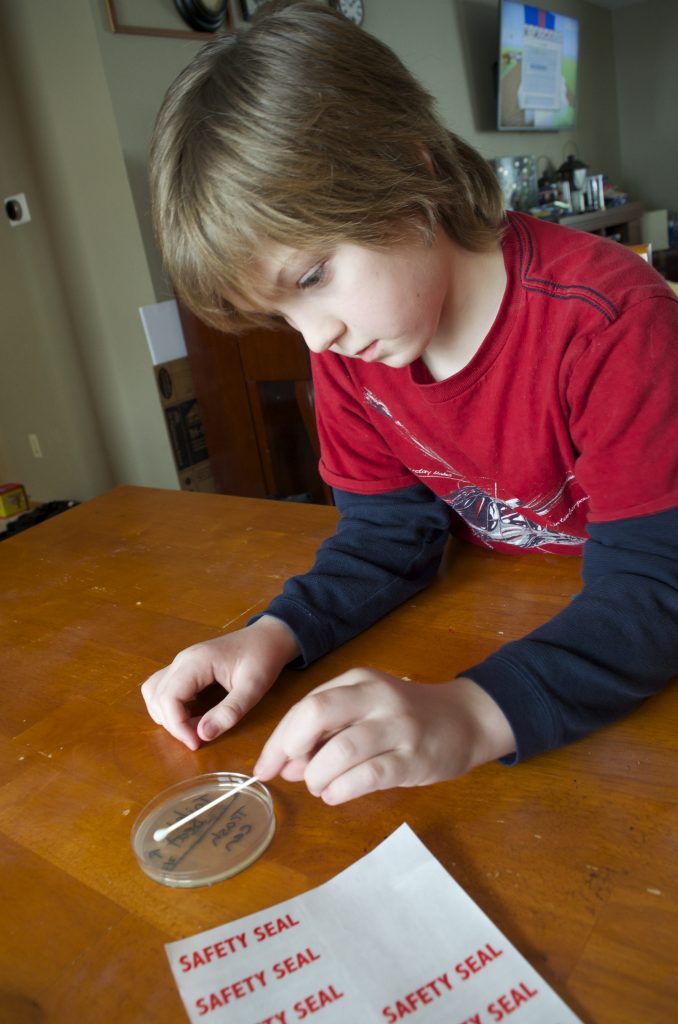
{"type": "Point", "coordinates": [314, 719]}
{"type": "Point", "coordinates": [228, 712]}
{"type": "Point", "coordinates": [352, 677]}
{"type": "Point", "coordinates": [356, 745]}
{"type": "Point", "coordinates": [294, 771]}
{"type": "Point", "coordinates": [222, 717]}
{"type": "Point", "coordinates": [179, 723]}
{"type": "Point", "coordinates": [382, 772]}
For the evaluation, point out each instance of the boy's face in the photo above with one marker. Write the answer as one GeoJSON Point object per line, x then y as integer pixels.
{"type": "Point", "coordinates": [380, 306]}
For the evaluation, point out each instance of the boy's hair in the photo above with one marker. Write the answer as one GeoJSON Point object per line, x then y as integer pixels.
{"type": "Point", "coordinates": [304, 130]}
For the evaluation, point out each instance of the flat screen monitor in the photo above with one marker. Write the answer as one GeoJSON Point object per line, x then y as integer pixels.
{"type": "Point", "coordinates": [537, 78]}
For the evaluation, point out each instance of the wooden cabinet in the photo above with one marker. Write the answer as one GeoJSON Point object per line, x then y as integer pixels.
{"type": "Point", "coordinates": [256, 397]}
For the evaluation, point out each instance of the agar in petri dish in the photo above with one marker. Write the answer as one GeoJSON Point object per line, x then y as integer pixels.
{"type": "Point", "coordinates": [210, 847]}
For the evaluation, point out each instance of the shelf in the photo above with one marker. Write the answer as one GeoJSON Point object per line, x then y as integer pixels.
{"type": "Point", "coordinates": [626, 216]}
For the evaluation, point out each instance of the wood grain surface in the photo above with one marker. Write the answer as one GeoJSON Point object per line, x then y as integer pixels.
{"type": "Point", "coordinates": [573, 854]}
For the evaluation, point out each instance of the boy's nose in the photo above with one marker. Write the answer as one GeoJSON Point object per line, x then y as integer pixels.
{"type": "Point", "coordinates": [321, 334]}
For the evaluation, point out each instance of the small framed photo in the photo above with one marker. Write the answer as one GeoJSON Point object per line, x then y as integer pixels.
{"type": "Point", "coordinates": [248, 8]}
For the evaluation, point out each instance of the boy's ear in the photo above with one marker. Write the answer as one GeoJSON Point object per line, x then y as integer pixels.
{"type": "Point", "coordinates": [427, 158]}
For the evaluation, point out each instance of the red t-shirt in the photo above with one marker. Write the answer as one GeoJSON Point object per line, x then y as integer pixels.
{"type": "Point", "coordinates": [566, 413]}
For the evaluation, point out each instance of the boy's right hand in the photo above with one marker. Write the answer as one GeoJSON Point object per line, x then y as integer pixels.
{"type": "Point", "coordinates": [246, 663]}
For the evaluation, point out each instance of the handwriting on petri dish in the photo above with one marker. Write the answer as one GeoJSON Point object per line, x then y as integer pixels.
{"type": "Point", "coordinates": [233, 828]}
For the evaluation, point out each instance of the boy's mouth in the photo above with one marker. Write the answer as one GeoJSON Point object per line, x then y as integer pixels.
{"type": "Point", "coordinates": [369, 353]}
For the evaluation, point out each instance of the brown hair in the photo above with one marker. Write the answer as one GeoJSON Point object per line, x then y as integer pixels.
{"type": "Point", "coordinates": [304, 130]}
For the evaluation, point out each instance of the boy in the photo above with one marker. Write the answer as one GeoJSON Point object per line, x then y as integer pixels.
{"type": "Point", "coordinates": [488, 374]}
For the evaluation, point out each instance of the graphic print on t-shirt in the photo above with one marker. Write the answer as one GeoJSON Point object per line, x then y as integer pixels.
{"type": "Point", "coordinates": [491, 518]}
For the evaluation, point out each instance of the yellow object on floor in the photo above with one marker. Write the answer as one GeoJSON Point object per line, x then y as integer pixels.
{"type": "Point", "coordinates": [13, 500]}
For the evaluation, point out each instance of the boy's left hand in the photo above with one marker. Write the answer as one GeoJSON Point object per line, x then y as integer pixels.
{"type": "Point", "coordinates": [367, 730]}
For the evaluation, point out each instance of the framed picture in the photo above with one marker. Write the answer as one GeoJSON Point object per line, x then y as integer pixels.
{"type": "Point", "coordinates": [192, 12]}
{"type": "Point", "coordinates": [203, 15]}
{"type": "Point", "coordinates": [248, 8]}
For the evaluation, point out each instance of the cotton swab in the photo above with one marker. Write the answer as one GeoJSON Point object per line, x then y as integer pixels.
{"type": "Point", "coordinates": [162, 833]}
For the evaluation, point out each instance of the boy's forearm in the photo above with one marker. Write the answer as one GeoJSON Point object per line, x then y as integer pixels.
{"type": "Point", "coordinates": [386, 549]}
{"type": "Point", "coordinates": [612, 647]}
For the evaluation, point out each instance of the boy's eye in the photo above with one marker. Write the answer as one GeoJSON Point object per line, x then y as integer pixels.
{"type": "Point", "coordinates": [313, 277]}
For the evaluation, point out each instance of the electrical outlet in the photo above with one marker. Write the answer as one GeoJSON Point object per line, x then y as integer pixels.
{"type": "Point", "coordinates": [16, 209]}
{"type": "Point", "coordinates": [35, 445]}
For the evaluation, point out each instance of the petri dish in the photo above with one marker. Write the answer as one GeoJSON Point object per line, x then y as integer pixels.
{"type": "Point", "coordinates": [212, 846]}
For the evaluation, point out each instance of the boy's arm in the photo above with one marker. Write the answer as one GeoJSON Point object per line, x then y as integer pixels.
{"type": "Point", "coordinates": [614, 645]}
{"type": "Point", "coordinates": [387, 547]}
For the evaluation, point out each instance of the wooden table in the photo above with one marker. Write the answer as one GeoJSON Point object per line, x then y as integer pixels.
{"type": "Point", "coordinates": [573, 855]}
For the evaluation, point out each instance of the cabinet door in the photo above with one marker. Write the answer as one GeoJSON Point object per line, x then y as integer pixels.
{"type": "Point", "coordinates": [255, 393]}
{"type": "Point", "coordinates": [220, 390]}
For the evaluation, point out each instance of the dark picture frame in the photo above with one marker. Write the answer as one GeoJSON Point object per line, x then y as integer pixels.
{"type": "Point", "coordinates": [204, 15]}
{"type": "Point", "coordinates": [117, 25]}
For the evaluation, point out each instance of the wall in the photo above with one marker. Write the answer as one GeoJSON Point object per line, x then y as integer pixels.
{"type": "Point", "coordinates": [450, 45]}
{"type": "Point", "coordinates": [75, 365]}
{"type": "Point", "coordinates": [138, 70]}
{"type": "Point", "coordinates": [43, 389]}
{"type": "Point", "coordinates": [646, 47]}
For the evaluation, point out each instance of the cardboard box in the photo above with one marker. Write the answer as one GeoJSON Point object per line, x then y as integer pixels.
{"type": "Point", "coordinates": [13, 500]}
{"type": "Point", "coordinates": [184, 425]}
{"type": "Point", "coordinates": [167, 346]}
{"type": "Point", "coordinates": [198, 478]}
